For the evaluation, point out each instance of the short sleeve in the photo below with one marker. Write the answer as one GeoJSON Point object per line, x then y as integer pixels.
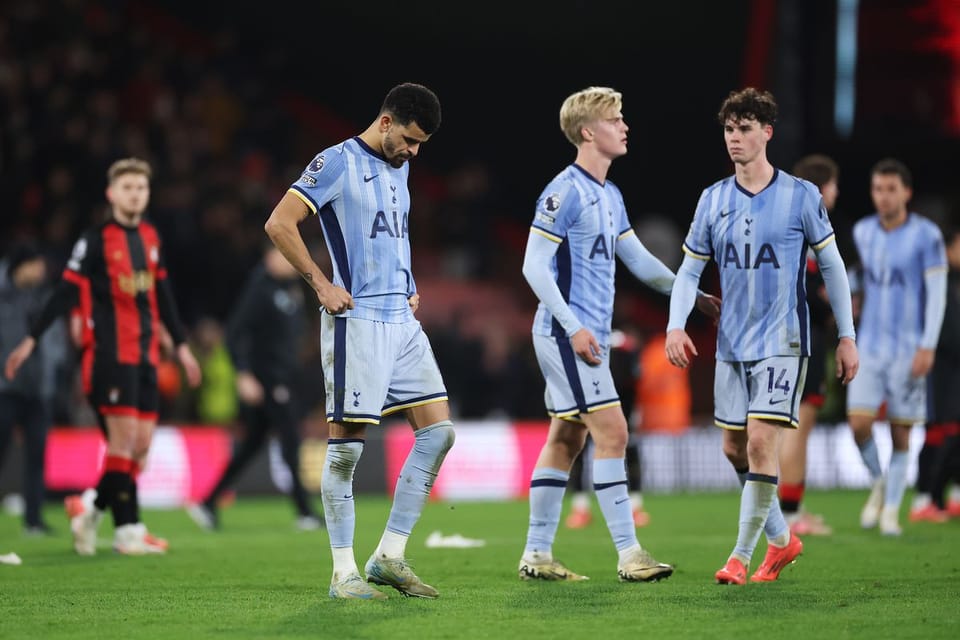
{"type": "Point", "coordinates": [698, 243]}
{"type": "Point", "coordinates": [82, 255]}
{"type": "Point", "coordinates": [933, 254]}
{"type": "Point", "coordinates": [320, 181]}
{"type": "Point", "coordinates": [557, 210]}
{"type": "Point", "coordinates": [817, 228]}
{"type": "Point", "coordinates": [624, 226]}
{"type": "Point", "coordinates": [161, 261]}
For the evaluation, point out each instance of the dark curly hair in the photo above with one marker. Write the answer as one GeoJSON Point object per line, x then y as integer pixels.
{"type": "Point", "coordinates": [749, 104]}
{"type": "Point", "coordinates": [409, 102]}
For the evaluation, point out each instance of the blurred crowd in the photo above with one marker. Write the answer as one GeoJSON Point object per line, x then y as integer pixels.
{"type": "Point", "coordinates": [82, 84]}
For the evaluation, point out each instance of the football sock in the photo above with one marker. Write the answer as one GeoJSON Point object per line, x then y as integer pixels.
{"type": "Point", "coordinates": [338, 506]}
{"type": "Point", "coordinates": [896, 479]}
{"type": "Point", "coordinates": [392, 545]}
{"type": "Point", "coordinates": [791, 495]}
{"type": "Point", "coordinates": [775, 527]}
{"type": "Point", "coordinates": [419, 471]}
{"type": "Point", "coordinates": [933, 440]}
{"type": "Point", "coordinates": [134, 494]}
{"type": "Point", "coordinates": [758, 495]}
{"type": "Point", "coordinates": [344, 563]}
{"type": "Point", "coordinates": [546, 501]}
{"type": "Point", "coordinates": [868, 451]}
{"type": "Point", "coordinates": [113, 490]}
{"type": "Point", "coordinates": [124, 508]}
{"type": "Point", "coordinates": [610, 485]}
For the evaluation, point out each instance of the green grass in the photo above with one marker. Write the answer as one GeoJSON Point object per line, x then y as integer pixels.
{"type": "Point", "coordinates": [258, 578]}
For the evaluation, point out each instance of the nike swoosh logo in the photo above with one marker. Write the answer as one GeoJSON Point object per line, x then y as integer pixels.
{"type": "Point", "coordinates": [369, 178]}
{"type": "Point", "coordinates": [781, 400]}
{"type": "Point", "coordinates": [595, 202]}
{"type": "Point", "coordinates": [724, 214]}
{"type": "Point", "coordinates": [620, 501]}
{"type": "Point", "coordinates": [350, 497]}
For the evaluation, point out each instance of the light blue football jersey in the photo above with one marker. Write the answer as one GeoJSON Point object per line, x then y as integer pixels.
{"type": "Point", "coordinates": [586, 219]}
{"type": "Point", "coordinates": [363, 205]}
{"type": "Point", "coordinates": [892, 269]}
{"type": "Point", "coordinates": [759, 243]}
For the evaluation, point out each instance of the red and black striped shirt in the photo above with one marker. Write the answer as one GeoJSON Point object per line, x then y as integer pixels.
{"type": "Point", "coordinates": [117, 276]}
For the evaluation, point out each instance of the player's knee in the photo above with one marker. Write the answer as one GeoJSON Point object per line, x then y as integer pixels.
{"type": "Point", "coordinates": [611, 444]}
{"type": "Point", "coordinates": [568, 441]}
{"type": "Point", "coordinates": [737, 457]}
{"type": "Point", "coordinates": [736, 452]}
{"type": "Point", "coordinates": [141, 446]}
{"type": "Point", "coordinates": [439, 436]}
{"type": "Point", "coordinates": [760, 450]}
{"type": "Point", "coordinates": [572, 447]}
{"type": "Point", "coordinates": [342, 458]}
{"type": "Point", "coordinates": [860, 424]}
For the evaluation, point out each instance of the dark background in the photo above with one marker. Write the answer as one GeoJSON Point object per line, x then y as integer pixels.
{"type": "Point", "coordinates": [502, 69]}
{"type": "Point", "coordinates": [230, 100]}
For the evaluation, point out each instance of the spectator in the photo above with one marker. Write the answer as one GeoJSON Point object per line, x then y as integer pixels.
{"type": "Point", "coordinates": [25, 401]}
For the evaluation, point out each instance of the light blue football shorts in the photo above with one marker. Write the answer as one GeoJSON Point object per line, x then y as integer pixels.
{"type": "Point", "coordinates": [573, 386]}
{"type": "Point", "coordinates": [767, 389]}
{"type": "Point", "coordinates": [372, 369]}
{"type": "Point", "coordinates": [883, 379]}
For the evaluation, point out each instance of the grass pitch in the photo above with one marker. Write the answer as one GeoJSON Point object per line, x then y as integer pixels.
{"type": "Point", "coordinates": [258, 578]}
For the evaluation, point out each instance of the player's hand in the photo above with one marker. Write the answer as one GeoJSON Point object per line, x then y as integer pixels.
{"type": "Point", "coordinates": [167, 348]}
{"type": "Point", "coordinates": [18, 356]}
{"type": "Point", "coordinates": [249, 389]}
{"type": "Point", "coordinates": [76, 326]}
{"type": "Point", "coordinates": [414, 301]}
{"type": "Point", "coordinates": [335, 299]}
{"type": "Point", "coordinates": [586, 346]}
{"type": "Point", "coordinates": [848, 360]}
{"type": "Point", "coordinates": [679, 346]}
{"type": "Point", "coordinates": [189, 364]}
{"type": "Point", "coordinates": [709, 305]}
{"type": "Point", "coordinates": [922, 363]}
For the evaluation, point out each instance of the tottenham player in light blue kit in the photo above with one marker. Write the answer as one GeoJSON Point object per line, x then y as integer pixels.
{"type": "Point", "coordinates": [579, 227]}
{"type": "Point", "coordinates": [903, 275]}
{"type": "Point", "coordinates": [757, 225]}
{"type": "Point", "coordinates": [376, 358]}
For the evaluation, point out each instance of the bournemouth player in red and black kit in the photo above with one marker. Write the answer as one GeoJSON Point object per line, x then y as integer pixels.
{"type": "Point", "coordinates": [116, 275]}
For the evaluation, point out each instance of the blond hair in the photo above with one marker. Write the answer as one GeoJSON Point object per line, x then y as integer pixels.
{"type": "Point", "coordinates": [587, 106]}
{"type": "Point", "coordinates": [128, 165]}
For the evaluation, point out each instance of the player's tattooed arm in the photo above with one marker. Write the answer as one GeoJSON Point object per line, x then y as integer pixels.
{"type": "Point", "coordinates": [283, 229]}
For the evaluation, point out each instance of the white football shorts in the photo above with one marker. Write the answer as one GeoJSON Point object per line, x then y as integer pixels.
{"type": "Point", "coordinates": [372, 369]}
